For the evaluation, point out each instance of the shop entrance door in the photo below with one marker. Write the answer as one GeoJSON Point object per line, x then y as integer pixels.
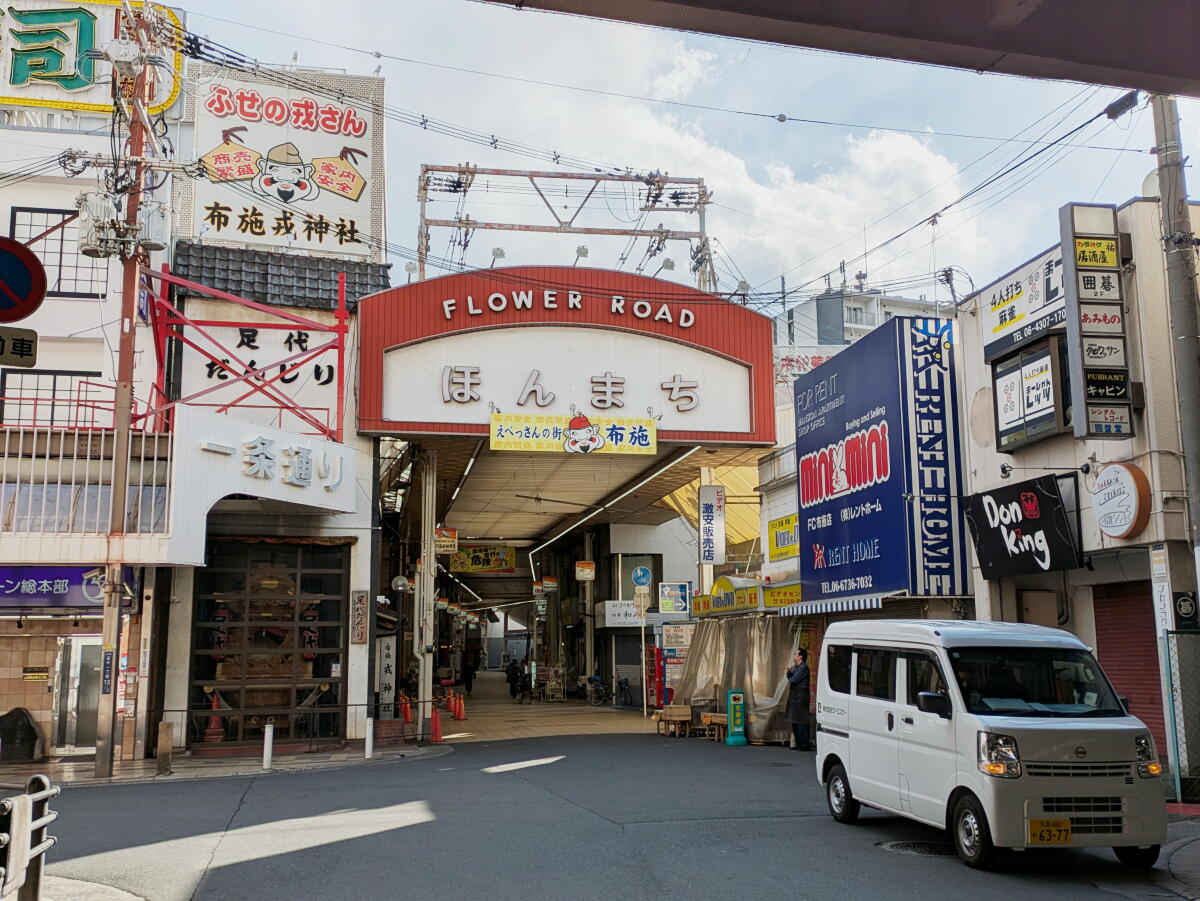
{"type": "Point", "coordinates": [79, 693]}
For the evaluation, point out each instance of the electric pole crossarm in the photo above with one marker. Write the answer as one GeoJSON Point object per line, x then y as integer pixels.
{"type": "Point", "coordinates": [566, 229]}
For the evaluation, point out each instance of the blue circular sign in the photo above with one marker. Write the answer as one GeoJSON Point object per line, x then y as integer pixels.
{"type": "Point", "coordinates": [641, 575]}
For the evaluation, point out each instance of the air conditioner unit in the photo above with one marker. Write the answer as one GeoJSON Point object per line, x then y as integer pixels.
{"type": "Point", "coordinates": [97, 224]}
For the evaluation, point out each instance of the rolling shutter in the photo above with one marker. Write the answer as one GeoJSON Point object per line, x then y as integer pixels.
{"type": "Point", "coordinates": [1128, 650]}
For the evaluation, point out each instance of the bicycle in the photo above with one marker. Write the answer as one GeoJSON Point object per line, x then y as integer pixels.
{"type": "Point", "coordinates": [598, 693]}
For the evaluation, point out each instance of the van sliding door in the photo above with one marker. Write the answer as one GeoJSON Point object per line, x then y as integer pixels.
{"type": "Point", "coordinates": [874, 749]}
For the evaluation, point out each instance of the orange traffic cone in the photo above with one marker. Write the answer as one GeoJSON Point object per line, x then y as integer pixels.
{"type": "Point", "coordinates": [405, 710]}
{"type": "Point", "coordinates": [435, 728]}
{"type": "Point", "coordinates": [462, 707]}
{"type": "Point", "coordinates": [458, 707]}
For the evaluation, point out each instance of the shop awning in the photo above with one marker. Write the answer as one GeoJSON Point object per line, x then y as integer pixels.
{"type": "Point", "coordinates": [808, 608]}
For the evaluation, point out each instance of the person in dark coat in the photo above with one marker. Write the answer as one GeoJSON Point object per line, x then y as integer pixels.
{"type": "Point", "coordinates": [512, 672]}
{"type": "Point", "coordinates": [468, 672]}
{"type": "Point", "coordinates": [798, 680]}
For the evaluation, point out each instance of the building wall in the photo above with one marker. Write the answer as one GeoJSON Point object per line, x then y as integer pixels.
{"type": "Point", "coordinates": [675, 540]}
{"type": "Point", "coordinates": [34, 645]}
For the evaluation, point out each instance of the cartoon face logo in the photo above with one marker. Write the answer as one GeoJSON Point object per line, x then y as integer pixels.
{"type": "Point", "coordinates": [283, 175]}
{"type": "Point", "coordinates": [582, 436]}
{"type": "Point", "coordinates": [1029, 505]}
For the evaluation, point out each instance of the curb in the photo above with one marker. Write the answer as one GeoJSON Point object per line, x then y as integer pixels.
{"type": "Point", "coordinates": [59, 888]}
{"type": "Point", "coordinates": [1170, 880]}
{"type": "Point", "coordinates": [420, 753]}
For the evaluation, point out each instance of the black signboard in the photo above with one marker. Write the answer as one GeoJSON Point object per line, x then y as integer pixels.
{"type": "Point", "coordinates": [1107, 384]}
{"type": "Point", "coordinates": [1021, 529]}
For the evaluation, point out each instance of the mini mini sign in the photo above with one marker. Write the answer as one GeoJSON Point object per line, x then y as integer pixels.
{"type": "Point", "coordinates": [577, 434]}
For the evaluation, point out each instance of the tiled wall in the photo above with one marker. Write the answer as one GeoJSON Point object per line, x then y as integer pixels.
{"type": "Point", "coordinates": [35, 644]}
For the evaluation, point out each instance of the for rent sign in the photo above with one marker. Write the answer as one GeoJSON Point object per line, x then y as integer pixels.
{"type": "Point", "coordinates": [879, 473]}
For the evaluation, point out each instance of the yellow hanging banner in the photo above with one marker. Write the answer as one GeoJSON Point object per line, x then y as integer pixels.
{"type": "Point", "coordinates": [578, 434]}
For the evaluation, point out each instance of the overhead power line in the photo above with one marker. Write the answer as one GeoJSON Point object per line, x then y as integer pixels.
{"type": "Point", "coordinates": [603, 92]}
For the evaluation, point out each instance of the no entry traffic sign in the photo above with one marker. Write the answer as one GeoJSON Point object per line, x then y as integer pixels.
{"type": "Point", "coordinates": [22, 281]}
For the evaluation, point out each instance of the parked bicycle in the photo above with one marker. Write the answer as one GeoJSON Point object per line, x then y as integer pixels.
{"type": "Point", "coordinates": [598, 693]}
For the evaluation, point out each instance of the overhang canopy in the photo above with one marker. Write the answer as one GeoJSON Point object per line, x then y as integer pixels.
{"type": "Point", "coordinates": [1144, 44]}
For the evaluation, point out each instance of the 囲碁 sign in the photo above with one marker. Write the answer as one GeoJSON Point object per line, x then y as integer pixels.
{"type": "Point", "coordinates": [1102, 408]}
{"type": "Point", "coordinates": [1022, 529]}
{"type": "Point", "coordinates": [878, 467]}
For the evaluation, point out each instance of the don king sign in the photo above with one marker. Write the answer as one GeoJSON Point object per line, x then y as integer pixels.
{"type": "Point", "coordinates": [878, 472]}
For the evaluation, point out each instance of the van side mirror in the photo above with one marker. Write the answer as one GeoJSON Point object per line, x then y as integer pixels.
{"type": "Point", "coordinates": [934, 702]}
{"type": "Point", "coordinates": [1124, 701]}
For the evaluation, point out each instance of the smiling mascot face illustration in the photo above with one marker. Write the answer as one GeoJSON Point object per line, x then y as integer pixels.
{"type": "Point", "coordinates": [582, 436]}
{"type": "Point", "coordinates": [283, 175]}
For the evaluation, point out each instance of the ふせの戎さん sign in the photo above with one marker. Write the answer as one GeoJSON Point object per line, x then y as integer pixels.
{"type": "Point", "coordinates": [290, 168]}
{"type": "Point", "coordinates": [878, 467]}
{"type": "Point", "coordinates": [1023, 528]}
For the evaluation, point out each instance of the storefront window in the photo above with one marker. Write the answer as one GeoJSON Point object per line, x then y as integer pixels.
{"type": "Point", "coordinates": [268, 643]}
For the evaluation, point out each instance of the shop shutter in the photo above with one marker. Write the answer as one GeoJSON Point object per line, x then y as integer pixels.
{"type": "Point", "coordinates": [902, 608]}
{"type": "Point", "coordinates": [1128, 650]}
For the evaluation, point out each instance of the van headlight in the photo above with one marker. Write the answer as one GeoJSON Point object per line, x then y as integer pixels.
{"type": "Point", "coordinates": [1147, 757]}
{"type": "Point", "coordinates": [998, 755]}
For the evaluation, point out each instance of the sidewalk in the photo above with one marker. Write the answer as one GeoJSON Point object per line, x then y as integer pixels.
{"type": "Point", "coordinates": [1178, 869]}
{"type": "Point", "coordinates": [81, 772]}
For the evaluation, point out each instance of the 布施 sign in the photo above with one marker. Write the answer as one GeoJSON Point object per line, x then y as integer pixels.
{"type": "Point", "coordinates": [577, 434]}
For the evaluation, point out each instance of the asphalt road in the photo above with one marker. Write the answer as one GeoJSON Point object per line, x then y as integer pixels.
{"type": "Point", "coordinates": [603, 817]}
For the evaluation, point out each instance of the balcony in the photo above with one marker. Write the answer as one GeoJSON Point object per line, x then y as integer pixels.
{"type": "Point", "coordinates": [58, 460]}
{"type": "Point", "coordinates": [57, 464]}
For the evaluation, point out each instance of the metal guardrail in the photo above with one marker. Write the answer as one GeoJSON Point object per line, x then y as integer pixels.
{"type": "Point", "coordinates": [23, 854]}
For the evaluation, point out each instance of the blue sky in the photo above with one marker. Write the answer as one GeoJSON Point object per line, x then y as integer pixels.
{"type": "Point", "coordinates": [789, 197]}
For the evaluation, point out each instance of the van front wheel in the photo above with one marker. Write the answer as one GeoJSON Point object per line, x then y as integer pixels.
{"type": "Point", "coordinates": [842, 806]}
{"type": "Point", "coordinates": [1137, 858]}
{"type": "Point", "coordinates": [972, 837]}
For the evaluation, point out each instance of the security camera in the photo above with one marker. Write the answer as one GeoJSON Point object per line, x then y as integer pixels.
{"type": "Point", "coordinates": [1005, 470]}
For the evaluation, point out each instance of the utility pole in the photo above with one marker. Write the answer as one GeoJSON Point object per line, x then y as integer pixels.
{"type": "Point", "coordinates": [1179, 244]}
{"type": "Point", "coordinates": [114, 583]}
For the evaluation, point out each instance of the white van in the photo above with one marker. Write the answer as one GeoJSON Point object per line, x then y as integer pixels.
{"type": "Point", "coordinates": [1004, 734]}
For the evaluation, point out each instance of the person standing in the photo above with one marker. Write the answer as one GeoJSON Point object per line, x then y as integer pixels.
{"type": "Point", "coordinates": [511, 672]}
{"type": "Point", "coordinates": [798, 693]}
{"type": "Point", "coordinates": [468, 671]}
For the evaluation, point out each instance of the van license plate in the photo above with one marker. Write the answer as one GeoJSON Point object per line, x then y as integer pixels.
{"type": "Point", "coordinates": [1049, 832]}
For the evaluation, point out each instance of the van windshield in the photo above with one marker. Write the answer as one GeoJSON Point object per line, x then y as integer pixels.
{"type": "Point", "coordinates": [1045, 682]}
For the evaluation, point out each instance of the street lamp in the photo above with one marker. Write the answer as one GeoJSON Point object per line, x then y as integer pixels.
{"type": "Point", "coordinates": [580, 251]}
{"type": "Point", "coordinates": [667, 264]}
{"type": "Point", "coordinates": [497, 254]}
{"type": "Point", "coordinates": [410, 268]}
